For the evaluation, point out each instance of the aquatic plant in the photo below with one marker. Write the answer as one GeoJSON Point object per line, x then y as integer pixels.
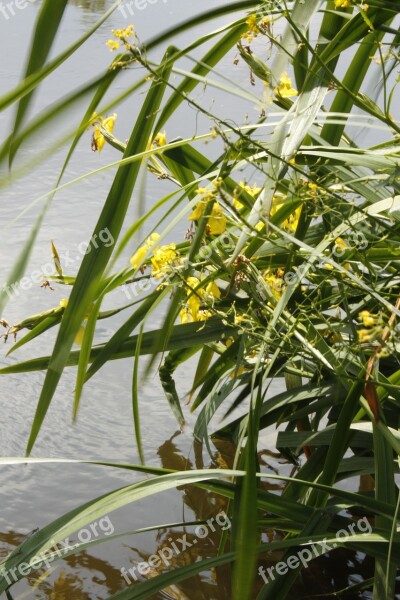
{"type": "Point", "coordinates": [288, 271]}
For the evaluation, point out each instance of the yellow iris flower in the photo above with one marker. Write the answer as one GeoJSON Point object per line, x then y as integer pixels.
{"type": "Point", "coordinates": [289, 224]}
{"type": "Point", "coordinates": [139, 255]}
{"type": "Point", "coordinates": [192, 312]}
{"type": "Point", "coordinates": [98, 137]}
{"type": "Point", "coordinates": [368, 319]}
{"type": "Point", "coordinates": [161, 138]}
{"type": "Point", "coordinates": [284, 88]}
{"type": "Point", "coordinates": [216, 223]}
{"type": "Point", "coordinates": [162, 258]}
{"type": "Point", "coordinates": [252, 191]}
{"type": "Point", "coordinates": [112, 44]}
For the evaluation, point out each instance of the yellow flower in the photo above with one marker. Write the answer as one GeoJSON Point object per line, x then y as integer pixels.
{"type": "Point", "coordinates": [79, 336]}
{"type": "Point", "coordinates": [192, 283]}
{"type": "Point", "coordinates": [203, 315]}
{"type": "Point", "coordinates": [340, 243]}
{"type": "Point", "coordinates": [161, 138]}
{"type": "Point", "coordinates": [284, 88]}
{"type": "Point", "coordinates": [98, 137]}
{"type": "Point", "coordinates": [216, 223]}
{"type": "Point", "coordinates": [109, 123]}
{"type": "Point", "coordinates": [252, 191]}
{"type": "Point", "coordinates": [238, 320]}
{"type": "Point", "coordinates": [140, 254]}
{"type": "Point", "coordinates": [113, 45]}
{"type": "Point", "coordinates": [192, 311]}
{"type": "Point", "coordinates": [185, 316]}
{"type": "Point", "coordinates": [275, 283]}
{"type": "Point", "coordinates": [213, 290]}
{"type": "Point", "coordinates": [123, 33]}
{"type": "Point", "coordinates": [95, 118]}
{"type": "Point", "coordinates": [138, 257]}
{"type": "Point", "coordinates": [342, 3]}
{"type": "Point", "coordinates": [251, 21]}
{"type": "Point", "coordinates": [162, 258]}
{"type": "Point", "coordinates": [364, 335]}
{"type": "Point", "coordinates": [253, 30]}
{"type": "Point", "coordinates": [81, 331]}
{"type": "Point", "coordinates": [236, 372]}
{"type": "Point", "coordinates": [195, 215]}
{"type": "Point", "coordinates": [290, 224]}
{"type": "Point", "coordinates": [206, 193]}
{"type": "Point", "coordinates": [194, 304]}
{"type": "Point", "coordinates": [367, 318]}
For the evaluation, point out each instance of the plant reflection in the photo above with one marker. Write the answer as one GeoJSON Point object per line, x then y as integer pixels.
{"type": "Point", "coordinates": [95, 6]}
{"type": "Point", "coordinates": [83, 576]}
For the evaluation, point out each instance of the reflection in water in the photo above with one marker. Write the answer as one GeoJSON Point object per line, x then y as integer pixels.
{"type": "Point", "coordinates": [95, 6]}
{"type": "Point", "coordinates": [80, 576]}
{"type": "Point", "coordinates": [86, 577]}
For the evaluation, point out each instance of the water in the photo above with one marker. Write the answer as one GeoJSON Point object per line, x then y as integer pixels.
{"type": "Point", "coordinates": [33, 495]}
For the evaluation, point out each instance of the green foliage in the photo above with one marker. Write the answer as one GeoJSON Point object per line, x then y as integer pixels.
{"type": "Point", "coordinates": [290, 275]}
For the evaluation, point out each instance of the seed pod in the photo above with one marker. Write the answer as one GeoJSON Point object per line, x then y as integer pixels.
{"type": "Point", "coordinates": [56, 259]}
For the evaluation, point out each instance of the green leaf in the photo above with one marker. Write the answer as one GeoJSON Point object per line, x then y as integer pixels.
{"type": "Point", "coordinates": [47, 25]}
{"type": "Point", "coordinates": [135, 397]}
{"type": "Point", "coordinates": [95, 262]}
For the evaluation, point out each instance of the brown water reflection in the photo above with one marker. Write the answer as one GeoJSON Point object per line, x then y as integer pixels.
{"type": "Point", "coordinates": [77, 573]}
{"type": "Point", "coordinates": [86, 577]}
{"type": "Point", "coordinates": [95, 6]}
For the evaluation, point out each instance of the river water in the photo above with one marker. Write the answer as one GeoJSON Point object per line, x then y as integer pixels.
{"type": "Point", "coordinates": [33, 495]}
